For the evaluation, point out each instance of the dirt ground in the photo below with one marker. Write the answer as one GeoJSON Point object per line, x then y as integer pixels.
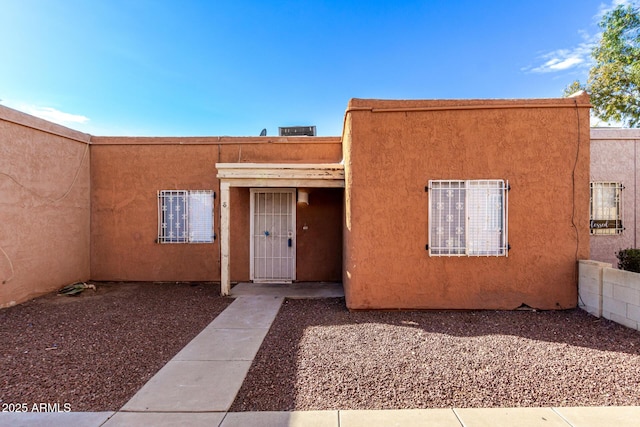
{"type": "Point", "coordinates": [319, 356]}
{"type": "Point", "coordinates": [94, 351]}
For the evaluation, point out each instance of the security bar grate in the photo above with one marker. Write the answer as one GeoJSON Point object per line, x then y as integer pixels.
{"type": "Point", "coordinates": [272, 231]}
{"type": "Point", "coordinates": [185, 216]}
{"type": "Point", "coordinates": [468, 218]}
{"type": "Point", "coordinates": [606, 208]}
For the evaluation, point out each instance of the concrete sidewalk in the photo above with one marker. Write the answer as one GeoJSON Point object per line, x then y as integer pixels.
{"type": "Point", "coordinates": [207, 374]}
{"type": "Point", "coordinates": [198, 386]}
{"type": "Point", "coordinates": [616, 416]}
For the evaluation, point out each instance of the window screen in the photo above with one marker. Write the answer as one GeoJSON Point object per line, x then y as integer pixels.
{"type": "Point", "coordinates": [606, 208]}
{"type": "Point", "coordinates": [185, 216]}
{"type": "Point", "coordinates": [468, 218]}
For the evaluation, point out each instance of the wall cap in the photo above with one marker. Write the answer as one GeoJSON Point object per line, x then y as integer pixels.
{"type": "Point", "coordinates": [27, 120]}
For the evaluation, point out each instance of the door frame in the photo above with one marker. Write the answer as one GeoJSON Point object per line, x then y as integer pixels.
{"type": "Point", "coordinates": [252, 207]}
{"type": "Point", "coordinates": [276, 175]}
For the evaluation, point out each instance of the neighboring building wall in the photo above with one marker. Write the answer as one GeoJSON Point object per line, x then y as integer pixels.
{"type": "Point", "coordinates": [44, 208]}
{"type": "Point", "coordinates": [128, 172]}
{"type": "Point", "coordinates": [391, 151]}
{"type": "Point", "coordinates": [615, 158]}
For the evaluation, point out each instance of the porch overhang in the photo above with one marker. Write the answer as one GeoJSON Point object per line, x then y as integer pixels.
{"type": "Point", "coordinates": [282, 174]}
{"type": "Point", "coordinates": [262, 175]}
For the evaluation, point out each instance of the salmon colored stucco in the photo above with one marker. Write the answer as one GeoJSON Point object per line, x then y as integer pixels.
{"type": "Point", "coordinates": [127, 173]}
{"type": "Point", "coordinates": [77, 207]}
{"type": "Point", "coordinates": [44, 206]}
{"type": "Point", "coordinates": [393, 148]}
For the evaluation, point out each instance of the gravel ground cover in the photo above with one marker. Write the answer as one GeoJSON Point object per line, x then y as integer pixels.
{"type": "Point", "coordinates": [319, 356]}
{"type": "Point", "coordinates": [94, 351]}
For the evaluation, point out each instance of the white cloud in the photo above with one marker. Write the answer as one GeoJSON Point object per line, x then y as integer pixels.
{"type": "Point", "coordinates": [578, 57]}
{"type": "Point", "coordinates": [56, 116]}
{"type": "Point", "coordinates": [606, 8]}
{"type": "Point", "coordinates": [564, 59]}
{"type": "Point", "coordinates": [48, 113]}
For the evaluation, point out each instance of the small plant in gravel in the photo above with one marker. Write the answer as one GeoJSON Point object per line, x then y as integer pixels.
{"type": "Point", "coordinates": [629, 259]}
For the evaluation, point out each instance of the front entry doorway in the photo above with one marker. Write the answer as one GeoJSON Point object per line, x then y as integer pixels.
{"type": "Point", "coordinates": [273, 235]}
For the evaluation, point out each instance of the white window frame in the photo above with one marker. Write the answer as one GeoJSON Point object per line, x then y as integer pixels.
{"type": "Point", "coordinates": [468, 217]}
{"type": "Point", "coordinates": [605, 208]}
{"type": "Point", "coordinates": [186, 216]}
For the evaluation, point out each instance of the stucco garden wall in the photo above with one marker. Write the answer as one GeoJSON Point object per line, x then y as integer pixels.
{"type": "Point", "coordinates": [44, 206]}
{"type": "Point", "coordinates": [128, 172]}
{"type": "Point", "coordinates": [393, 148]}
{"type": "Point", "coordinates": [615, 157]}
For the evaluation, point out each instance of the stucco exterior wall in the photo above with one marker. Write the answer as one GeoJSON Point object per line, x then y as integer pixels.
{"type": "Point", "coordinates": [615, 158]}
{"type": "Point", "coordinates": [44, 207]}
{"type": "Point", "coordinates": [128, 172]}
{"type": "Point", "coordinates": [393, 148]}
{"type": "Point", "coordinates": [319, 236]}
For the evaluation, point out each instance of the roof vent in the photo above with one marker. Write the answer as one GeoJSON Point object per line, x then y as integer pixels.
{"type": "Point", "coordinates": [297, 131]}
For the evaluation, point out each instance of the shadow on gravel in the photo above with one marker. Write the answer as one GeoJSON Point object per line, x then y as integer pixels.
{"type": "Point", "coordinates": [320, 356]}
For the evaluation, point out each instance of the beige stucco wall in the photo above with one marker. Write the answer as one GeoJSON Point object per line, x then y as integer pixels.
{"type": "Point", "coordinates": [127, 173]}
{"type": "Point", "coordinates": [393, 148]}
{"type": "Point", "coordinates": [615, 158]}
{"type": "Point", "coordinates": [44, 206]}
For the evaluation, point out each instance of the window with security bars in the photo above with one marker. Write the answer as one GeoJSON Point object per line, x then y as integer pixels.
{"type": "Point", "coordinates": [468, 218]}
{"type": "Point", "coordinates": [606, 208]}
{"type": "Point", "coordinates": [185, 216]}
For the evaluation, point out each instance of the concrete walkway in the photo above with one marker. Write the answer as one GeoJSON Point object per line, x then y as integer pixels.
{"type": "Point", "coordinates": [207, 374]}
{"type": "Point", "coordinates": [304, 290]}
{"type": "Point", "coordinates": [198, 386]}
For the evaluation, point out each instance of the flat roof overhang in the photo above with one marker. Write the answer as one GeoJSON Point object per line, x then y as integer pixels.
{"type": "Point", "coordinates": [266, 175]}
{"type": "Point", "coordinates": [282, 174]}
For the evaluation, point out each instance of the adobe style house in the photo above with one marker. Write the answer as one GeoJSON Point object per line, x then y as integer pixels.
{"type": "Point", "coordinates": [422, 204]}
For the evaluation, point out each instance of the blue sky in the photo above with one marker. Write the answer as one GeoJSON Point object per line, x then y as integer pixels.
{"type": "Point", "coordinates": [180, 68]}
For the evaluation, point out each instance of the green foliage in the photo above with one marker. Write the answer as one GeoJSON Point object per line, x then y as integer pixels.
{"type": "Point", "coordinates": [629, 260]}
{"type": "Point", "coordinates": [574, 87]}
{"type": "Point", "coordinates": [614, 80]}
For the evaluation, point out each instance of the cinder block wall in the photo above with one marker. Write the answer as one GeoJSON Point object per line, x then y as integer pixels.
{"type": "Point", "coordinates": [610, 293]}
{"type": "Point", "coordinates": [590, 286]}
{"type": "Point", "coordinates": [621, 297]}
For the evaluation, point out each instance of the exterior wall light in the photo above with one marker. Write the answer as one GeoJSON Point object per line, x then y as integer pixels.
{"type": "Point", "coordinates": [303, 196]}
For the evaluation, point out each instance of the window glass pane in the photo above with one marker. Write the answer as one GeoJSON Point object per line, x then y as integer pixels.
{"type": "Point", "coordinates": [200, 216]}
{"type": "Point", "coordinates": [484, 211]}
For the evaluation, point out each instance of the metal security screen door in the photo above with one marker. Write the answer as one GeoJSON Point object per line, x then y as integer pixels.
{"type": "Point", "coordinates": [273, 249]}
